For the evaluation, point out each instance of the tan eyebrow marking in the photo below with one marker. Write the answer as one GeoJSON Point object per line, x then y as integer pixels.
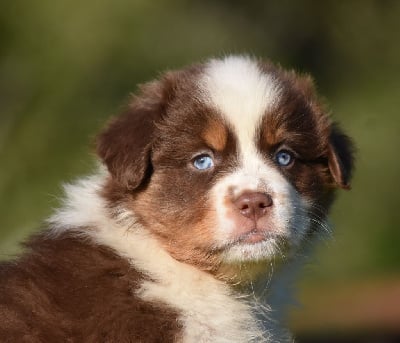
{"type": "Point", "coordinates": [215, 134]}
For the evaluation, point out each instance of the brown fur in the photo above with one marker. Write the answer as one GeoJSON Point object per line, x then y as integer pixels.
{"type": "Point", "coordinates": [67, 289]}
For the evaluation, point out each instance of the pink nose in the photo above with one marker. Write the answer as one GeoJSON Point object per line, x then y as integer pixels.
{"type": "Point", "coordinates": [253, 205]}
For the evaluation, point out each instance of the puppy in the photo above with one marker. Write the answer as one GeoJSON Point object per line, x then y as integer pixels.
{"type": "Point", "coordinates": [212, 177]}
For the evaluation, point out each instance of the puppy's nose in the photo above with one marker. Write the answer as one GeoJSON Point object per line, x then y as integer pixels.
{"type": "Point", "coordinates": [253, 205]}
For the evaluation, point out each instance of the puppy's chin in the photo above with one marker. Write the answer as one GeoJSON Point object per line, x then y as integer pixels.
{"type": "Point", "coordinates": [255, 246]}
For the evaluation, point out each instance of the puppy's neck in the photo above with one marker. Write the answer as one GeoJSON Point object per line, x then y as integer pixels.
{"type": "Point", "coordinates": [242, 276]}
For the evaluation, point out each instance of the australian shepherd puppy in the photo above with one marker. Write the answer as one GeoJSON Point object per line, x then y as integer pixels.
{"type": "Point", "coordinates": [213, 176]}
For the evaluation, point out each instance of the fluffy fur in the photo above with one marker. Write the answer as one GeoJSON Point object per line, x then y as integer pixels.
{"type": "Point", "coordinates": [177, 236]}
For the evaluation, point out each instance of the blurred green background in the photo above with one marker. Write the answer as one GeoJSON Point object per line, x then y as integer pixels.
{"type": "Point", "coordinates": [66, 66]}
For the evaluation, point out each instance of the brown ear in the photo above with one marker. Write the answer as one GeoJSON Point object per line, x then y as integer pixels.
{"type": "Point", "coordinates": [125, 145]}
{"type": "Point", "coordinates": [340, 157]}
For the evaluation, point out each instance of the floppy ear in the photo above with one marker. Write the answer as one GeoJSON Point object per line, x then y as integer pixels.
{"type": "Point", "coordinates": [125, 144]}
{"type": "Point", "coordinates": [340, 157]}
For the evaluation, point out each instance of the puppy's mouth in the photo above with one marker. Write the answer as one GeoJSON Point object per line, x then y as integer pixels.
{"type": "Point", "coordinates": [256, 236]}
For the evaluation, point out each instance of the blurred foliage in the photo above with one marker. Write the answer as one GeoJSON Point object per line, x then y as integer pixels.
{"type": "Point", "coordinates": [66, 66]}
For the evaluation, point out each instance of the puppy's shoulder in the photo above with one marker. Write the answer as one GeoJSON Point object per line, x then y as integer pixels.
{"type": "Point", "coordinates": [66, 286]}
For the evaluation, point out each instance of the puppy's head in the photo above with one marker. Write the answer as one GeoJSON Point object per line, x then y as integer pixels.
{"type": "Point", "coordinates": [227, 161]}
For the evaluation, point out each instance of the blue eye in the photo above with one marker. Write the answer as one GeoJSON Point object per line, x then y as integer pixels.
{"type": "Point", "coordinates": [203, 162]}
{"type": "Point", "coordinates": [284, 158]}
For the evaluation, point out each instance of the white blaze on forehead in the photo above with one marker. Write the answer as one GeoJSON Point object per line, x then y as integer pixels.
{"type": "Point", "coordinates": [241, 92]}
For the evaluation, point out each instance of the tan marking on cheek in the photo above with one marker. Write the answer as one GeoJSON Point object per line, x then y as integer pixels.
{"type": "Point", "coordinates": [195, 245]}
{"type": "Point", "coordinates": [215, 135]}
{"type": "Point", "coordinates": [191, 243]}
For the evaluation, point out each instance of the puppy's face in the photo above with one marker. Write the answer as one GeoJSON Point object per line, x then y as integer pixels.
{"type": "Point", "coordinates": [230, 161]}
